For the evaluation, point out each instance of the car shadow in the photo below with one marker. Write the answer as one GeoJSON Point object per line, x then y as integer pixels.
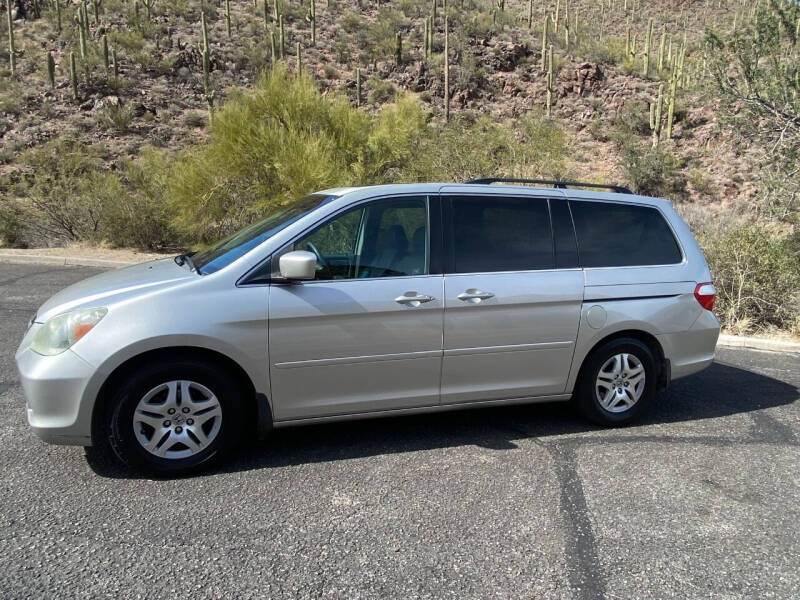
{"type": "Point", "coordinates": [720, 391]}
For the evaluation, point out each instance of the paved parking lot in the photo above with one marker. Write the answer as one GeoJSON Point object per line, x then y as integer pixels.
{"type": "Point", "coordinates": [702, 499]}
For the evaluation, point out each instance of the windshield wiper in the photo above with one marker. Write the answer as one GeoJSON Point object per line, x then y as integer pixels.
{"type": "Point", "coordinates": [186, 258]}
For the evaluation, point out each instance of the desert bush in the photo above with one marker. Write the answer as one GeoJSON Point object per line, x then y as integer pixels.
{"type": "Point", "coordinates": [652, 171]}
{"type": "Point", "coordinates": [10, 227]}
{"type": "Point", "coordinates": [380, 91]}
{"type": "Point", "coordinates": [757, 275]}
{"type": "Point", "coordinates": [394, 142]}
{"type": "Point", "coordinates": [755, 69]}
{"type": "Point", "coordinates": [267, 147]}
{"type": "Point", "coordinates": [66, 192]}
{"type": "Point", "coordinates": [142, 220]}
{"type": "Point", "coordinates": [115, 117]}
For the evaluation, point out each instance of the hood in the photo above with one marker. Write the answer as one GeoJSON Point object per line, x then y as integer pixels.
{"type": "Point", "coordinates": [115, 285]}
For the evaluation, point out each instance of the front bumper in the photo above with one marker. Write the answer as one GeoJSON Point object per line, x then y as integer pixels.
{"type": "Point", "coordinates": [55, 388]}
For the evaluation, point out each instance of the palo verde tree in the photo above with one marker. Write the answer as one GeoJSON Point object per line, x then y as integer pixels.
{"type": "Point", "coordinates": [756, 71]}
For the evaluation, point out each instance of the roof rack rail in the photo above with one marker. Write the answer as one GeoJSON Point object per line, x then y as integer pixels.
{"type": "Point", "coordinates": [619, 189]}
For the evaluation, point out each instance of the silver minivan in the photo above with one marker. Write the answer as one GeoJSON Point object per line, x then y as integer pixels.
{"type": "Point", "coordinates": [376, 301]}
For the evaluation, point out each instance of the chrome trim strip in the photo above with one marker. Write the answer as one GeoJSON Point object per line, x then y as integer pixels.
{"type": "Point", "coordinates": [509, 348]}
{"type": "Point", "coordinates": [329, 362]}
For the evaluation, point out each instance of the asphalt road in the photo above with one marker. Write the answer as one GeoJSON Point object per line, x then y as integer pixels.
{"type": "Point", "coordinates": [702, 499]}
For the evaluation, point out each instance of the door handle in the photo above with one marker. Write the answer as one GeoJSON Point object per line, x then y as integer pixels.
{"type": "Point", "coordinates": [413, 299]}
{"type": "Point", "coordinates": [474, 295]}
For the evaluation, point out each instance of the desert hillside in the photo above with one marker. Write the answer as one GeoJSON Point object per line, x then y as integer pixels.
{"type": "Point", "coordinates": [165, 124]}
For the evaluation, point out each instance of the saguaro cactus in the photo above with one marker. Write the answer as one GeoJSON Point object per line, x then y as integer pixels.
{"type": "Point", "coordinates": [398, 49]}
{"type": "Point", "coordinates": [105, 53]}
{"type": "Point", "coordinates": [544, 42]}
{"type": "Point", "coordinates": [646, 55]}
{"type": "Point", "coordinates": [51, 70]}
{"type": "Point", "coordinates": [446, 64]}
{"type": "Point", "coordinates": [228, 17]}
{"type": "Point", "coordinates": [281, 37]}
{"type": "Point", "coordinates": [149, 5]}
{"type": "Point", "coordinates": [673, 88]}
{"type": "Point", "coordinates": [58, 15]}
{"type": "Point", "coordinates": [73, 75]}
{"type": "Point", "coordinates": [550, 90]}
{"type": "Point", "coordinates": [115, 65]}
{"type": "Point", "coordinates": [358, 87]}
{"type": "Point", "coordinates": [425, 41]}
{"type": "Point", "coordinates": [311, 17]}
{"type": "Point", "coordinates": [655, 116]}
{"type": "Point", "coordinates": [299, 58]}
{"type": "Point", "coordinates": [11, 49]}
{"type": "Point", "coordinates": [205, 52]}
{"type": "Point", "coordinates": [555, 20]}
{"type": "Point", "coordinates": [661, 49]}
{"type": "Point", "coordinates": [273, 51]}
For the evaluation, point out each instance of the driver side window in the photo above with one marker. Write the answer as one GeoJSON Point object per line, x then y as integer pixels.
{"type": "Point", "coordinates": [386, 238]}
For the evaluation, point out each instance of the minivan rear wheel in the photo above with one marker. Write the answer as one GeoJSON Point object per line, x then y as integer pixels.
{"type": "Point", "coordinates": [174, 417]}
{"type": "Point", "coordinates": [617, 382]}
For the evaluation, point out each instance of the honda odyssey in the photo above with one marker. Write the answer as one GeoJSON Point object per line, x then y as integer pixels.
{"type": "Point", "coordinates": [376, 301]}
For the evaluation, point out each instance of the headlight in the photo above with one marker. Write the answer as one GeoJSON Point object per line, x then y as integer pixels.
{"type": "Point", "coordinates": [60, 332]}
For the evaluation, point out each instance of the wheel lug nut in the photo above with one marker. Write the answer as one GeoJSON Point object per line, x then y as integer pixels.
{"type": "Point", "coordinates": [178, 429]}
{"type": "Point", "coordinates": [185, 409]}
{"type": "Point", "coordinates": [171, 411]}
{"type": "Point", "coordinates": [190, 421]}
{"type": "Point", "coordinates": [167, 423]}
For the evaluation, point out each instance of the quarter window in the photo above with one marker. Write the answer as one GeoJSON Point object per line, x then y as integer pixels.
{"type": "Point", "coordinates": [566, 250]}
{"type": "Point", "coordinates": [386, 238]}
{"type": "Point", "coordinates": [498, 233]}
{"type": "Point", "coordinates": [622, 235]}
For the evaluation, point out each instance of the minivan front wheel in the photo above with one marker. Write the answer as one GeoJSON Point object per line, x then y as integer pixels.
{"type": "Point", "coordinates": [617, 382]}
{"type": "Point", "coordinates": [174, 417]}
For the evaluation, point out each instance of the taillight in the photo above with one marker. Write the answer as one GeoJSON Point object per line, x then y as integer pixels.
{"type": "Point", "coordinates": [705, 293]}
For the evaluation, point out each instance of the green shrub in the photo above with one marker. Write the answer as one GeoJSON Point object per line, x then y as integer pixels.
{"type": "Point", "coordinates": [757, 275]}
{"type": "Point", "coordinates": [268, 147]}
{"type": "Point", "coordinates": [652, 171]}
{"type": "Point", "coordinates": [10, 227]}
{"type": "Point", "coordinates": [67, 192]}
{"type": "Point", "coordinates": [142, 220]}
{"type": "Point", "coordinates": [115, 118]}
{"type": "Point", "coordinates": [380, 91]}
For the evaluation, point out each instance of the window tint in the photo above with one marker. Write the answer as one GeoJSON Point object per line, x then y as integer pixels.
{"type": "Point", "coordinates": [387, 238]}
{"type": "Point", "coordinates": [496, 233]}
{"type": "Point", "coordinates": [619, 235]}
{"type": "Point", "coordinates": [566, 250]}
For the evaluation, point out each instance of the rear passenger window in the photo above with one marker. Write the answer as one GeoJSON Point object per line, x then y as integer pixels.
{"type": "Point", "coordinates": [621, 235]}
{"type": "Point", "coordinates": [497, 233]}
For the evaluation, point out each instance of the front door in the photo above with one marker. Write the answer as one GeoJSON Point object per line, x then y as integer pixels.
{"type": "Point", "coordinates": [513, 296]}
{"type": "Point", "coordinates": [366, 334]}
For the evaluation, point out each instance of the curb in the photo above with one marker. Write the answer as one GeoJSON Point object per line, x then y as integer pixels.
{"type": "Point", "coordinates": [738, 341]}
{"type": "Point", "coordinates": [66, 261]}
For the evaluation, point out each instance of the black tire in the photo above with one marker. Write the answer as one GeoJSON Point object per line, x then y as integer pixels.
{"type": "Point", "coordinates": [119, 427]}
{"type": "Point", "coordinates": [586, 398]}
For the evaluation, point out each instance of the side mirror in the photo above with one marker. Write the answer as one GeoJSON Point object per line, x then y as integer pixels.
{"type": "Point", "coordinates": [298, 265]}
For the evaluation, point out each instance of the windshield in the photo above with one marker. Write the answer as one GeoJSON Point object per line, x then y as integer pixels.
{"type": "Point", "coordinates": [240, 243]}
